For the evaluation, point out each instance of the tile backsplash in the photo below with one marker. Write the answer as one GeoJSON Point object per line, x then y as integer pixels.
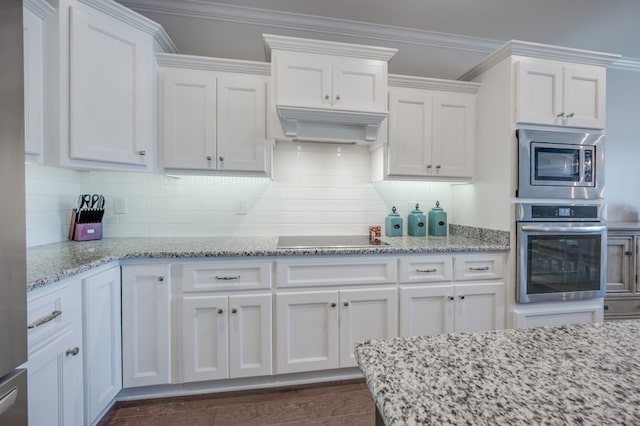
{"type": "Point", "coordinates": [316, 189]}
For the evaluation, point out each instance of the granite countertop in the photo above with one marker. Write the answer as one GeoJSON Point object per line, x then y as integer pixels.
{"type": "Point", "coordinates": [577, 374]}
{"type": "Point", "coordinates": [52, 262]}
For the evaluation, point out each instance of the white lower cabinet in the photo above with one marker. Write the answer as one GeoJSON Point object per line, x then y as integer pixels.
{"type": "Point", "coordinates": [54, 367]}
{"type": "Point", "coordinates": [318, 330]}
{"type": "Point", "coordinates": [102, 339]}
{"type": "Point", "coordinates": [226, 336]}
{"type": "Point", "coordinates": [146, 325]}
{"type": "Point", "coordinates": [558, 313]}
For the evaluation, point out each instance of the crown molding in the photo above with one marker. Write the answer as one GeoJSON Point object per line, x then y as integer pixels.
{"type": "Point", "coordinates": [40, 7]}
{"type": "Point", "coordinates": [313, 24]}
{"type": "Point", "coordinates": [327, 47]}
{"type": "Point", "coordinates": [136, 20]}
{"type": "Point", "coordinates": [541, 51]}
{"type": "Point", "coordinates": [213, 64]}
{"type": "Point", "coordinates": [411, 82]}
{"type": "Point", "coordinates": [627, 64]}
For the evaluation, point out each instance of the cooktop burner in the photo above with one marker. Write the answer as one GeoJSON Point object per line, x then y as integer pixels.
{"type": "Point", "coordinates": [328, 241]}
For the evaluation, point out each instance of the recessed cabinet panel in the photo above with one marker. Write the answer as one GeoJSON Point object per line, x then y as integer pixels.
{"type": "Point", "coordinates": [453, 127]}
{"type": "Point", "coordinates": [303, 79]}
{"type": "Point", "coordinates": [620, 256]}
{"type": "Point", "coordinates": [421, 269]}
{"type": "Point", "coordinates": [242, 124]}
{"type": "Point", "coordinates": [359, 84]}
{"type": "Point", "coordinates": [250, 336]}
{"type": "Point", "coordinates": [189, 105]}
{"type": "Point", "coordinates": [307, 331]}
{"type": "Point", "coordinates": [336, 272]}
{"type": "Point", "coordinates": [366, 314]}
{"type": "Point", "coordinates": [110, 90]}
{"type": "Point", "coordinates": [226, 276]}
{"type": "Point", "coordinates": [410, 131]}
{"type": "Point", "coordinates": [539, 92]}
{"type": "Point", "coordinates": [584, 96]}
{"type": "Point", "coordinates": [33, 85]}
{"type": "Point", "coordinates": [479, 307]}
{"type": "Point", "coordinates": [426, 311]}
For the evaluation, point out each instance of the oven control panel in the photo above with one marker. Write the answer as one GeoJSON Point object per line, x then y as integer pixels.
{"type": "Point", "coordinates": [559, 212]}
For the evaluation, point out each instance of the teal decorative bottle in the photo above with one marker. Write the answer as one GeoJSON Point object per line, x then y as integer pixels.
{"type": "Point", "coordinates": [393, 224]}
{"type": "Point", "coordinates": [417, 223]}
{"type": "Point", "coordinates": [437, 221]}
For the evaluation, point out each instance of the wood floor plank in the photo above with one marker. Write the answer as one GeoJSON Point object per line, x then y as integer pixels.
{"type": "Point", "coordinates": [338, 403]}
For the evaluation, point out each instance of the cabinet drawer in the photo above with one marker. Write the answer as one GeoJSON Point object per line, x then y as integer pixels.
{"type": "Point", "coordinates": [49, 314]}
{"type": "Point", "coordinates": [477, 267]}
{"type": "Point", "coordinates": [328, 272]}
{"type": "Point", "coordinates": [425, 269]}
{"type": "Point", "coordinates": [226, 276]}
{"type": "Point", "coordinates": [622, 308]}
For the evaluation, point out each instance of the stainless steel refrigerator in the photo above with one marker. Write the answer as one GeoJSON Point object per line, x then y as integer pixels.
{"type": "Point", "coordinates": [13, 297]}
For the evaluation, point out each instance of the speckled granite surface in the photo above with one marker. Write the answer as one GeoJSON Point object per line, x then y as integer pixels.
{"type": "Point", "coordinates": [581, 374]}
{"type": "Point", "coordinates": [53, 262]}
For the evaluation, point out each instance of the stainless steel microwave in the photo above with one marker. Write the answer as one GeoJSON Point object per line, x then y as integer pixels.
{"type": "Point", "coordinates": [567, 165]}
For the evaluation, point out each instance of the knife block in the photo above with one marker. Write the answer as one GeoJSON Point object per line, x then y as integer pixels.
{"type": "Point", "coordinates": [84, 231]}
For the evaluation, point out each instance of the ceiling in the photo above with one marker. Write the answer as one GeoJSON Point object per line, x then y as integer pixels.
{"type": "Point", "coordinates": [435, 38]}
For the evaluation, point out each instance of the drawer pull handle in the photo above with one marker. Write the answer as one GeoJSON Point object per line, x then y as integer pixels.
{"type": "Point", "coordinates": [73, 352]}
{"type": "Point", "coordinates": [484, 268]}
{"type": "Point", "coordinates": [428, 271]}
{"type": "Point", "coordinates": [237, 277]}
{"type": "Point", "coordinates": [53, 315]}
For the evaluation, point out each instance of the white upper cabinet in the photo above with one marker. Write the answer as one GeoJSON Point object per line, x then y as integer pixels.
{"type": "Point", "coordinates": [560, 94]}
{"type": "Point", "coordinates": [326, 90]}
{"type": "Point", "coordinates": [100, 96]}
{"type": "Point", "coordinates": [110, 89]}
{"type": "Point", "coordinates": [431, 131]}
{"type": "Point", "coordinates": [213, 121]}
{"type": "Point", "coordinates": [325, 81]}
{"type": "Point", "coordinates": [35, 13]}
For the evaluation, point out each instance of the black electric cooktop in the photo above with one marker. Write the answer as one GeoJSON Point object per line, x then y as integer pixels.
{"type": "Point", "coordinates": [328, 241]}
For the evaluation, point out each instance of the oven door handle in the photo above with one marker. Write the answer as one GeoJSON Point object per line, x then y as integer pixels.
{"type": "Point", "coordinates": [596, 229]}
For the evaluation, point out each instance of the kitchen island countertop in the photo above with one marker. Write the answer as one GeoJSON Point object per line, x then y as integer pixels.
{"type": "Point", "coordinates": [53, 262]}
{"type": "Point", "coordinates": [576, 374]}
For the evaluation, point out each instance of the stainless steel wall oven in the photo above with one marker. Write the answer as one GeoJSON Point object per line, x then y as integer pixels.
{"type": "Point", "coordinates": [561, 252]}
{"type": "Point", "coordinates": [567, 165]}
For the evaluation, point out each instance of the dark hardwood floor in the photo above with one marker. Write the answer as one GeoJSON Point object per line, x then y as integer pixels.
{"type": "Point", "coordinates": [338, 403]}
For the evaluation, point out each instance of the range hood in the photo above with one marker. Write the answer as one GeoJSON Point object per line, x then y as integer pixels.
{"type": "Point", "coordinates": [329, 125]}
{"type": "Point", "coordinates": [326, 91]}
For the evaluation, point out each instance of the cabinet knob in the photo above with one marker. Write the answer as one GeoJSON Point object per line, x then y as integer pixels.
{"type": "Point", "coordinates": [606, 307]}
{"type": "Point", "coordinates": [560, 115]}
{"type": "Point", "coordinates": [326, 97]}
{"type": "Point", "coordinates": [346, 303]}
{"type": "Point", "coordinates": [143, 152]}
{"type": "Point", "coordinates": [221, 158]}
{"type": "Point", "coordinates": [220, 311]}
{"type": "Point", "coordinates": [571, 114]}
{"type": "Point", "coordinates": [337, 97]}
{"type": "Point", "coordinates": [234, 310]}
{"type": "Point", "coordinates": [628, 253]}
{"type": "Point", "coordinates": [333, 305]}
{"type": "Point", "coordinates": [428, 166]}
{"type": "Point", "coordinates": [451, 297]}
{"type": "Point", "coordinates": [73, 352]}
{"type": "Point", "coordinates": [438, 166]}
{"type": "Point", "coordinates": [160, 279]}
{"type": "Point", "coordinates": [208, 158]}
{"type": "Point", "coordinates": [461, 297]}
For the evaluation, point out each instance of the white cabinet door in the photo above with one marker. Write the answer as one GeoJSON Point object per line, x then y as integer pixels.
{"type": "Point", "coordinates": [303, 79]}
{"type": "Point", "coordinates": [479, 306]}
{"type": "Point", "coordinates": [110, 89]}
{"type": "Point", "coordinates": [204, 338]}
{"type": "Point", "coordinates": [559, 94]}
{"type": "Point", "coordinates": [584, 96]}
{"type": "Point", "coordinates": [102, 339]}
{"type": "Point", "coordinates": [33, 85]}
{"type": "Point", "coordinates": [539, 92]}
{"type": "Point", "coordinates": [146, 325]}
{"type": "Point", "coordinates": [189, 118]}
{"type": "Point", "coordinates": [366, 314]}
{"type": "Point", "coordinates": [242, 128]}
{"type": "Point", "coordinates": [250, 348]}
{"type": "Point", "coordinates": [453, 135]}
{"type": "Point", "coordinates": [54, 378]}
{"type": "Point", "coordinates": [307, 331]}
{"type": "Point", "coordinates": [359, 84]}
{"type": "Point", "coordinates": [426, 310]}
{"type": "Point", "coordinates": [410, 132]}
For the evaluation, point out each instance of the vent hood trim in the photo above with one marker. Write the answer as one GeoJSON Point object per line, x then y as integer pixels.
{"type": "Point", "coordinates": [293, 117]}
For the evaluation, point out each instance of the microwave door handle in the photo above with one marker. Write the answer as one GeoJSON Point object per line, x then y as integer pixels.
{"type": "Point", "coordinates": [596, 229]}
